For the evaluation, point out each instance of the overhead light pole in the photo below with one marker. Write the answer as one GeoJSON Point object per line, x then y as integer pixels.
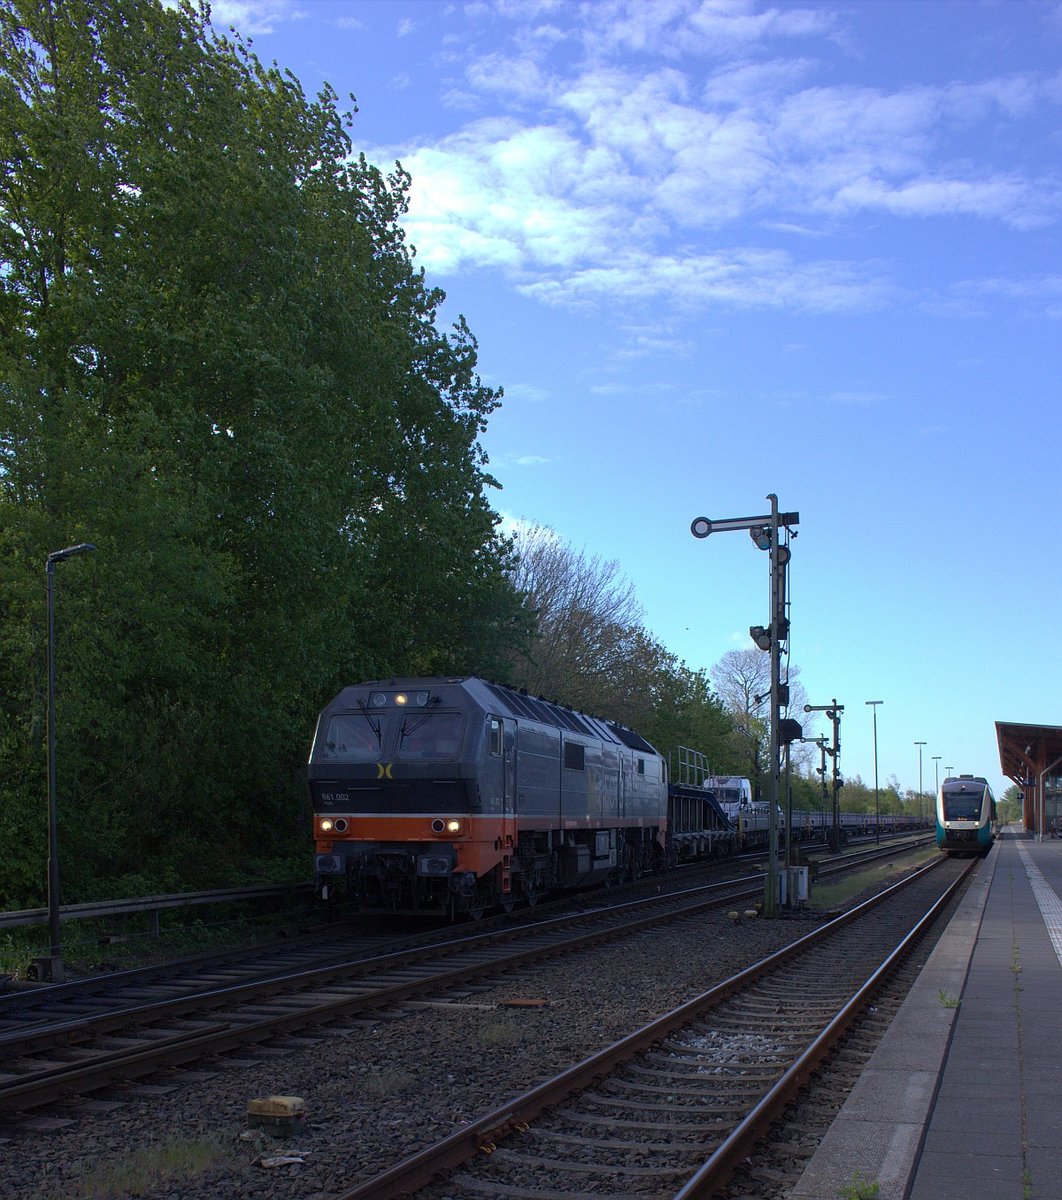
{"type": "Point", "coordinates": [936, 776]}
{"type": "Point", "coordinates": [764, 532]}
{"type": "Point", "coordinates": [877, 811]}
{"type": "Point", "coordinates": [54, 966]}
{"type": "Point", "coordinates": [920, 745]}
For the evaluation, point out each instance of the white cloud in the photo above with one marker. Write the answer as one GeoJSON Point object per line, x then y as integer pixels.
{"type": "Point", "coordinates": [738, 279]}
{"type": "Point", "coordinates": [502, 195]}
{"type": "Point", "coordinates": [251, 17]}
{"type": "Point", "coordinates": [580, 191]}
{"type": "Point", "coordinates": [1009, 200]}
{"type": "Point", "coordinates": [671, 27]}
{"type": "Point", "coordinates": [526, 393]}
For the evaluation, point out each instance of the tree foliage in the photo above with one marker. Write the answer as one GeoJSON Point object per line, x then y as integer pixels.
{"type": "Point", "coordinates": [218, 364]}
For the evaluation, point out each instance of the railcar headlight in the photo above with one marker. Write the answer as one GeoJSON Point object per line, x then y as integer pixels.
{"type": "Point", "coordinates": [325, 825]}
{"type": "Point", "coordinates": [453, 826]}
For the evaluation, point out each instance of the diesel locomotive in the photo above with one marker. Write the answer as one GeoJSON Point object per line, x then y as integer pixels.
{"type": "Point", "coordinates": [452, 795]}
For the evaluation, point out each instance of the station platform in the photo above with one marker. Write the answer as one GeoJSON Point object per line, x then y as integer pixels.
{"type": "Point", "coordinates": [962, 1100]}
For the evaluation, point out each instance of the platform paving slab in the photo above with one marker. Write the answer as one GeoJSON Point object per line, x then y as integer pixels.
{"type": "Point", "coordinates": [962, 1103]}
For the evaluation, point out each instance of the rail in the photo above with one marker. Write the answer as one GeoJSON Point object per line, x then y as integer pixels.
{"type": "Point", "coordinates": [155, 904]}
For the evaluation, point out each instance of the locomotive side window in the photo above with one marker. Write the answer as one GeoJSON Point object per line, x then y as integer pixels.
{"type": "Point", "coordinates": [429, 737]}
{"type": "Point", "coordinates": [641, 766]}
{"type": "Point", "coordinates": [352, 737]}
{"type": "Point", "coordinates": [495, 737]}
{"type": "Point", "coordinates": [574, 756]}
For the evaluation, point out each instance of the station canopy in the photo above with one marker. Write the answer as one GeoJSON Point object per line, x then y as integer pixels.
{"type": "Point", "coordinates": [1026, 751]}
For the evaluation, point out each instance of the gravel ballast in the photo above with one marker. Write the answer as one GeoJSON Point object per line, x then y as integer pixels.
{"type": "Point", "coordinates": [378, 1090]}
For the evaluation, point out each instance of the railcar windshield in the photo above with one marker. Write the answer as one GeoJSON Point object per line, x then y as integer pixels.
{"type": "Point", "coordinates": [429, 737]}
{"type": "Point", "coordinates": [351, 737]}
{"type": "Point", "coordinates": [963, 805]}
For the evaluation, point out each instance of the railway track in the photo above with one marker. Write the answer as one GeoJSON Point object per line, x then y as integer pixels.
{"type": "Point", "coordinates": [674, 1108]}
{"type": "Point", "coordinates": [70, 1040]}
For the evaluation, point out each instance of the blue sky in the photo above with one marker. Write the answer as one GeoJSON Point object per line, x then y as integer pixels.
{"type": "Point", "coordinates": [715, 249]}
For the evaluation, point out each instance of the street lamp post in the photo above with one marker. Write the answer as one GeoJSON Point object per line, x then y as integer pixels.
{"type": "Point", "coordinates": [54, 966]}
{"type": "Point", "coordinates": [920, 745]}
{"type": "Point", "coordinates": [936, 776]}
{"type": "Point", "coordinates": [877, 813]}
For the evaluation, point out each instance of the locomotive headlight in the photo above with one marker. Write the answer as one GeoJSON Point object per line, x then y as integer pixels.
{"type": "Point", "coordinates": [453, 826]}
{"type": "Point", "coordinates": [325, 825]}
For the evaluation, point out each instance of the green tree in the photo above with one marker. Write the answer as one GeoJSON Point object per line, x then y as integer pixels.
{"type": "Point", "coordinates": [219, 364]}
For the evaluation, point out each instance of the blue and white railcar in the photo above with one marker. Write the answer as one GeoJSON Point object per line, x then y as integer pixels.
{"type": "Point", "coordinates": [966, 815]}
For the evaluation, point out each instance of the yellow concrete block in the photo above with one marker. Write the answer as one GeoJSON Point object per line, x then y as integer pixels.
{"type": "Point", "coordinates": [277, 1114]}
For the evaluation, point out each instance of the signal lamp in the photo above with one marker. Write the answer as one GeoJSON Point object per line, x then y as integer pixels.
{"type": "Point", "coordinates": [789, 731]}
{"type": "Point", "coordinates": [761, 636]}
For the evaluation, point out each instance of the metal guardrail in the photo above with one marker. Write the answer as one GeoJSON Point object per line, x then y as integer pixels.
{"type": "Point", "coordinates": [107, 908]}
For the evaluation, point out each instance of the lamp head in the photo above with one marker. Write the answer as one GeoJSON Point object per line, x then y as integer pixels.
{"type": "Point", "coordinates": [70, 551]}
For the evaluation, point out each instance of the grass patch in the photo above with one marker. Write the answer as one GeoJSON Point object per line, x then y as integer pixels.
{"type": "Point", "coordinates": [381, 1084]}
{"type": "Point", "coordinates": [172, 1162]}
{"type": "Point", "coordinates": [501, 1029]}
{"type": "Point", "coordinates": [834, 895]}
{"type": "Point", "coordinates": [860, 1189]}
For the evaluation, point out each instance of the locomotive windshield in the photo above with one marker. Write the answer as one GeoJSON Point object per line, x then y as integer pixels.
{"type": "Point", "coordinates": [962, 805]}
{"type": "Point", "coordinates": [352, 737]}
{"type": "Point", "coordinates": [429, 737]}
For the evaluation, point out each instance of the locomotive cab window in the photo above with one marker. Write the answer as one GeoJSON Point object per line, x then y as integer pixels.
{"type": "Point", "coordinates": [641, 766]}
{"type": "Point", "coordinates": [495, 737]}
{"type": "Point", "coordinates": [962, 805]}
{"type": "Point", "coordinates": [574, 756]}
{"type": "Point", "coordinates": [429, 737]}
{"type": "Point", "coordinates": [352, 737]}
